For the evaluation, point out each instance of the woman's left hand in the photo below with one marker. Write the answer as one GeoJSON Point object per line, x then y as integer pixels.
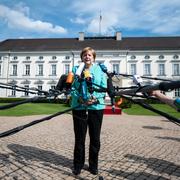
{"type": "Point", "coordinates": [92, 101]}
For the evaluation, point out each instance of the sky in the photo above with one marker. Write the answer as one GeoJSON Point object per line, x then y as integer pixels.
{"type": "Point", "coordinates": [66, 18]}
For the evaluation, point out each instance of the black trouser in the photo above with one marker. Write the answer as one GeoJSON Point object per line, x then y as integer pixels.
{"type": "Point", "coordinates": [83, 119]}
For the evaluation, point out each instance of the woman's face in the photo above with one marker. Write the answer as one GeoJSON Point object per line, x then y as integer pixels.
{"type": "Point", "coordinates": [88, 58]}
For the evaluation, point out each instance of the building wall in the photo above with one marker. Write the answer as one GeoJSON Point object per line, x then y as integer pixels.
{"type": "Point", "coordinates": [119, 60]}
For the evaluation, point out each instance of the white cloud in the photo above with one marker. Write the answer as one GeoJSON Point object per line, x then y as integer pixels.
{"type": "Point", "coordinates": [162, 17]}
{"type": "Point", "coordinates": [21, 7]}
{"type": "Point", "coordinates": [78, 20]}
{"type": "Point", "coordinates": [155, 16]}
{"type": "Point", "coordinates": [112, 12]}
{"type": "Point", "coordinates": [18, 20]}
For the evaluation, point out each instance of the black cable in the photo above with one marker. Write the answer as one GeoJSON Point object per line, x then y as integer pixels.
{"type": "Point", "coordinates": [147, 106]}
{"type": "Point", "coordinates": [21, 102]}
{"type": "Point", "coordinates": [163, 86]}
{"type": "Point", "coordinates": [20, 128]}
{"type": "Point", "coordinates": [34, 99]}
{"type": "Point", "coordinates": [23, 89]}
{"type": "Point", "coordinates": [16, 89]}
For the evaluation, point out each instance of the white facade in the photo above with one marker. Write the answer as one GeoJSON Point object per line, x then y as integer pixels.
{"type": "Point", "coordinates": [158, 64]}
{"type": "Point", "coordinates": [42, 70]}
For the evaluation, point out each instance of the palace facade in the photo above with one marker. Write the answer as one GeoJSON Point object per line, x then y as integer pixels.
{"type": "Point", "coordinates": [39, 63]}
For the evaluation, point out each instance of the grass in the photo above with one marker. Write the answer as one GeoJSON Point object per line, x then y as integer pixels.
{"type": "Point", "coordinates": [138, 110]}
{"type": "Point", "coordinates": [47, 108]}
{"type": "Point", "coordinates": [33, 109]}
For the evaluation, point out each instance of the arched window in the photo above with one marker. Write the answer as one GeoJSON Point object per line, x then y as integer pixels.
{"type": "Point", "coordinates": [40, 57]}
{"type": "Point", "coordinates": [54, 57]}
{"type": "Point", "coordinates": [146, 57]}
{"type": "Point", "coordinates": [133, 57]}
{"type": "Point", "coordinates": [175, 56]}
{"type": "Point", "coordinates": [161, 57]}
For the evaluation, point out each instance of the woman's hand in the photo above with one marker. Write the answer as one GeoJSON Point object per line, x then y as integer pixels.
{"type": "Point", "coordinates": [90, 101]}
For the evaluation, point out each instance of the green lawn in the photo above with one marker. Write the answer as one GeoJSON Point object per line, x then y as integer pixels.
{"type": "Point", "coordinates": [49, 108]}
{"type": "Point", "coordinates": [138, 110]}
{"type": "Point", "coordinates": [33, 109]}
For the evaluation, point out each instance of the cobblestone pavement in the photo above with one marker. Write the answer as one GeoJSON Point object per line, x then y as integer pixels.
{"type": "Point", "coordinates": [132, 147]}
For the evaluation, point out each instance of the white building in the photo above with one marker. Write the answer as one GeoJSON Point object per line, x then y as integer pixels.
{"type": "Point", "coordinates": [39, 63]}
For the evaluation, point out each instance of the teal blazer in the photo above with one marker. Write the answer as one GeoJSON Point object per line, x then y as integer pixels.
{"type": "Point", "coordinates": [99, 78]}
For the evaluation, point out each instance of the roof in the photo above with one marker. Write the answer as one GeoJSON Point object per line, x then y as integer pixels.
{"type": "Point", "coordinates": [98, 43]}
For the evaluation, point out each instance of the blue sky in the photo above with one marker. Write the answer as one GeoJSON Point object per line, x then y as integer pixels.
{"type": "Point", "coordinates": [66, 18]}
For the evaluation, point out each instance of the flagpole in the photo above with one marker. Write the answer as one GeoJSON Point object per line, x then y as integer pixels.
{"type": "Point", "coordinates": [100, 19]}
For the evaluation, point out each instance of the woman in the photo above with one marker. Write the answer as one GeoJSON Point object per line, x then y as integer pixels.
{"type": "Point", "coordinates": [89, 112]}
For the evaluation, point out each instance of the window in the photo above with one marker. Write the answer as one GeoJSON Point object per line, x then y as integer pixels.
{"type": "Point", "coordinates": [40, 70]}
{"type": "Point", "coordinates": [177, 92]}
{"type": "Point", "coordinates": [40, 88]}
{"type": "Point", "coordinates": [161, 57]}
{"type": "Point", "coordinates": [53, 69]}
{"type": "Point", "coordinates": [66, 68]}
{"type": "Point", "coordinates": [27, 88]}
{"type": "Point", "coordinates": [175, 56]}
{"type": "Point", "coordinates": [54, 57]}
{"type": "Point", "coordinates": [133, 57]}
{"type": "Point", "coordinates": [67, 57]}
{"type": "Point", "coordinates": [0, 69]}
{"type": "Point", "coordinates": [147, 57]}
{"type": "Point", "coordinates": [15, 57]}
{"type": "Point", "coordinates": [161, 69]}
{"type": "Point", "coordinates": [40, 57]}
{"type": "Point", "coordinates": [53, 87]}
{"type": "Point", "coordinates": [27, 58]}
{"type": "Point", "coordinates": [27, 69]}
{"type": "Point", "coordinates": [116, 68]}
{"type": "Point", "coordinates": [147, 69]}
{"type": "Point", "coordinates": [14, 70]}
{"type": "Point", "coordinates": [132, 69]}
{"type": "Point", "coordinates": [176, 70]}
{"type": "Point", "coordinates": [13, 92]}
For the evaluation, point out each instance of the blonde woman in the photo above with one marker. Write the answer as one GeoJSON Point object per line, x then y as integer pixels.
{"type": "Point", "coordinates": [89, 114]}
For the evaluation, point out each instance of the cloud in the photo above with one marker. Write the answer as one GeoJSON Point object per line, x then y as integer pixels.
{"type": "Point", "coordinates": [21, 7]}
{"type": "Point", "coordinates": [162, 17]}
{"type": "Point", "coordinates": [78, 20]}
{"type": "Point", "coordinates": [18, 19]}
{"type": "Point", "coordinates": [154, 16]}
{"type": "Point", "coordinates": [150, 17]}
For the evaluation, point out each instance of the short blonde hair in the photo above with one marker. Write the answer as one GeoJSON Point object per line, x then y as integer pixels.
{"type": "Point", "coordinates": [86, 49]}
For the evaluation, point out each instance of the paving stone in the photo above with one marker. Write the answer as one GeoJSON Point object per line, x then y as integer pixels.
{"type": "Point", "coordinates": [132, 147]}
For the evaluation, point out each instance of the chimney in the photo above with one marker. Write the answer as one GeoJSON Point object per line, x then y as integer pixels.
{"type": "Point", "coordinates": [81, 36]}
{"type": "Point", "coordinates": [118, 36]}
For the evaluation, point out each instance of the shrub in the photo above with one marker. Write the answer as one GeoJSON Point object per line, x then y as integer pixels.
{"type": "Point", "coordinates": [125, 103]}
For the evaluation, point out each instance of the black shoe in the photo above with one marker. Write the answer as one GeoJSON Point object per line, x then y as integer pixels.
{"type": "Point", "coordinates": [93, 171]}
{"type": "Point", "coordinates": [76, 171]}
